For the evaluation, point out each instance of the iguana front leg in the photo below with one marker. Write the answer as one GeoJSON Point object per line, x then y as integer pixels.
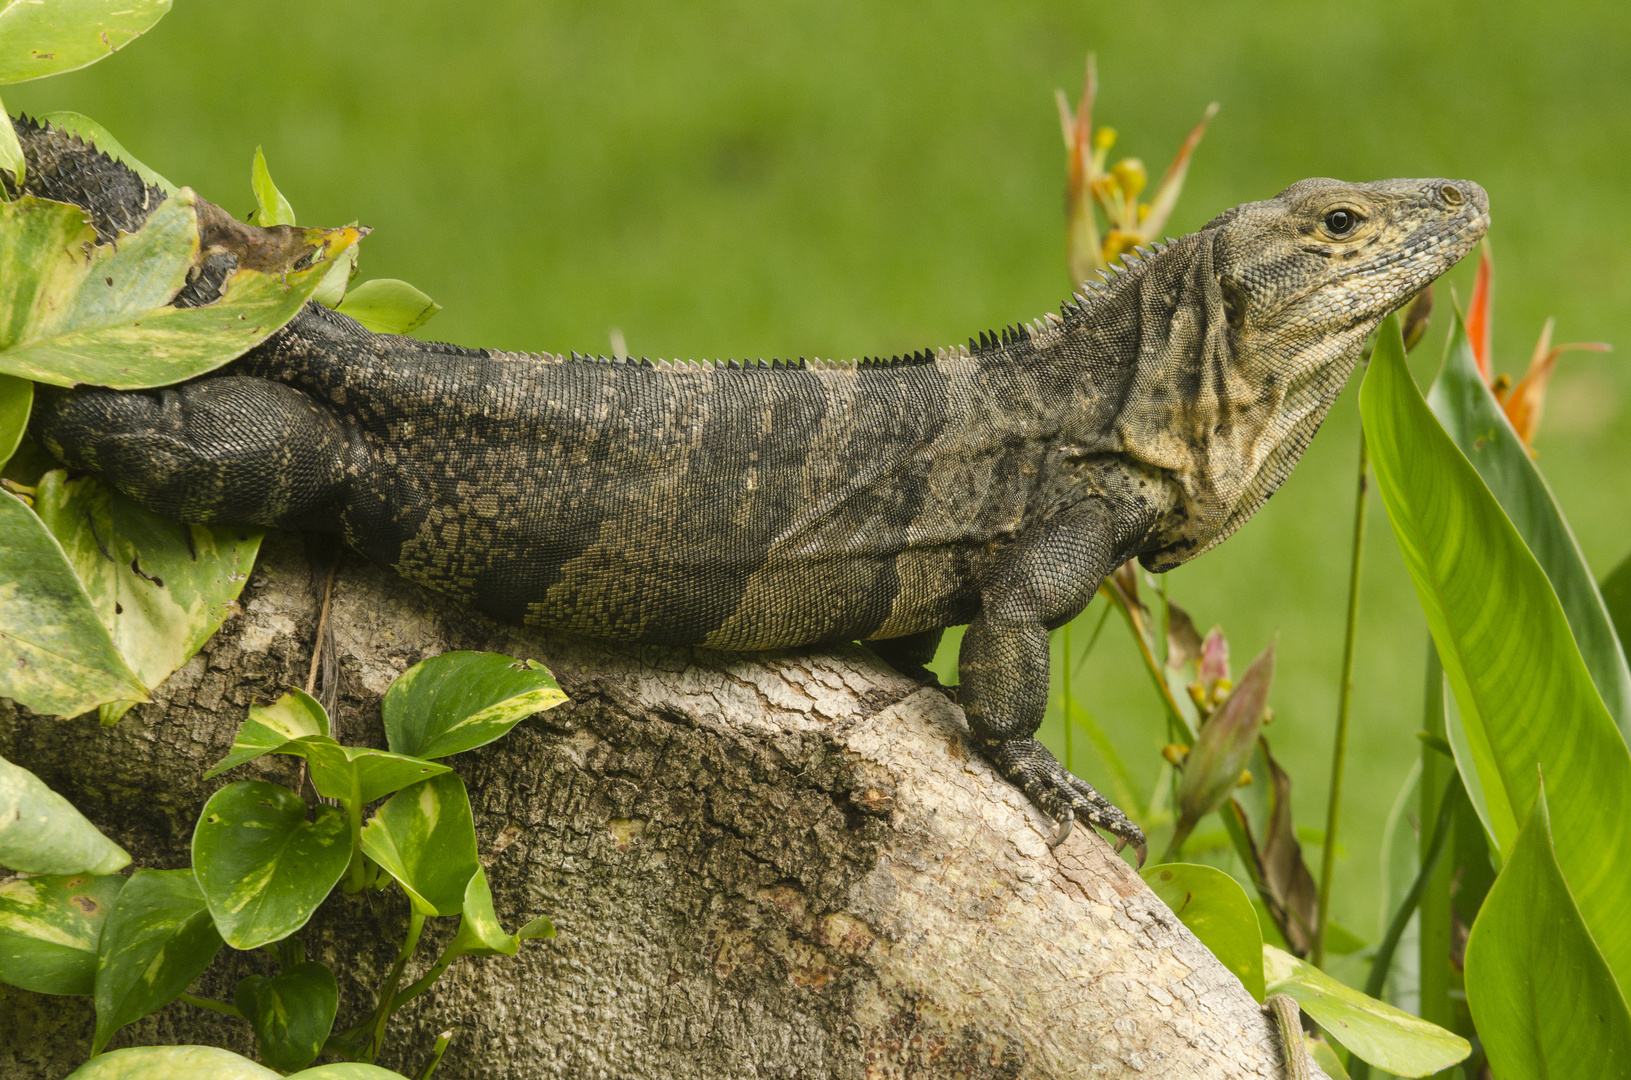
{"type": "Point", "coordinates": [1044, 581]}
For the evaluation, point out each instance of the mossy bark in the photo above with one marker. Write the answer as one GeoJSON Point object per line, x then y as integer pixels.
{"type": "Point", "coordinates": [777, 865]}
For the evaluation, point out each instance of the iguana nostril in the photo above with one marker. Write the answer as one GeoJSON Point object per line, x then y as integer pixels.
{"type": "Point", "coordinates": [1452, 194]}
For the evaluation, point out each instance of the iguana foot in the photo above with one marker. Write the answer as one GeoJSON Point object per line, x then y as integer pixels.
{"type": "Point", "coordinates": [1029, 766]}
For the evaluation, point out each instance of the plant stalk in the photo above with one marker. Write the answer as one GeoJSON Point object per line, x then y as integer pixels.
{"type": "Point", "coordinates": [211, 1004]}
{"type": "Point", "coordinates": [387, 994]}
{"type": "Point", "coordinates": [1339, 751]}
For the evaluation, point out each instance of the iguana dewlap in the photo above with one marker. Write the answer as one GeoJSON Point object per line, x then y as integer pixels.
{"type": "Point", "coordinates": [766, 506]}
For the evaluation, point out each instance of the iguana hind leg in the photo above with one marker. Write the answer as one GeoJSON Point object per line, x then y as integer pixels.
{"type": "Point", "coordinates": [229, 450]}
{"type": "Point", "coordinates": [1044, 581]}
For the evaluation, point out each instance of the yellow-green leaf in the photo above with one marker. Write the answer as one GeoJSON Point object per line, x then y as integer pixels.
{"type": "Point", "coordinates": [294, 715]}
{"type": "Point", "coordinates": [39, 39]}
{"type": "Point", "coordinates": [49, 929]}
{"type": "Point", "coordinates": [156, 941]}
{"type": "Point", "coordinates": [1216, 910]}
{"type": "Point", "coordinates": [11, 151]}
{"type": "Point", "coordinates": [273, 208]}
{"type": "Point", "coordinates": [388, 306]}
{"type": "Point", "coordinates": [262, 866]}
{"type": "Point", "coordinates": [1402, 1044]}
{"type": "Point", "coordinates": [160, 587]}
{"type": "Point", "coordinates": [1525, 695]}
{"type": "Point", "coordinates": [74, 311]}
{"type": "Point", "coordinates": [42, 833]}
{"type": "Point", "coordinates": [1544, 999]}
{"type": "Point", "coordinates": [16, 401]}
{"type": "Point", "coordinates": [56, 657]}
{"type": "Point", "coordinates": [425, 838]}
{"type": "Point", "coordinates": [461, 700]}
{"type": "Point", "coordinates": [173, 1063]}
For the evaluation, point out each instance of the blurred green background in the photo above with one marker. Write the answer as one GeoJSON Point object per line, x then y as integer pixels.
{"type": "Point", "coordinates": [841, 179]}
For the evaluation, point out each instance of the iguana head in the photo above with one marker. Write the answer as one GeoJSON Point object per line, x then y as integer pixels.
{"type": "Point", "coordinates": [1284, 293]}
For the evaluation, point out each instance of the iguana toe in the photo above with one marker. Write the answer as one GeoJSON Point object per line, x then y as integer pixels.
{"type": "Point", "coordinates": [1061, 795]}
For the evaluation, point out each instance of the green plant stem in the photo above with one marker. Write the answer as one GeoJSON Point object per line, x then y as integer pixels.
{"type": "Point", "coordinates": [436, 1054]}
{"type": "Point", "coordinates": [356, 882]}
{"type": "Point", "coordinates": [387, 995]}
{"type": "Point", "coordinates": [211, 1004]}
{"type": "Point", "coordinates": [1438, 981]}
{"type": "Point", "coordinates": [443, 962]}
{"type": "Point", "coordinates": [1064, 692]}
{"type": "Point", "coordinates": [1339, 751]}
{"type": "Point", "coordinates": [1382, 962]}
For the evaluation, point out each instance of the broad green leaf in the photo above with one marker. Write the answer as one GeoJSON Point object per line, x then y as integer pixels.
{"type": "Point", "coordinates": [359, 773]}
{"type": "Point", "coordinates": [49, 928]}
{"type": "Point", "coordinates": [1216, 910]}
{"type": "Point", "coordinates": [461, 700]}
{"type": "Point", "coordinates": [296, 724]}
{"type": "Point", "coordinates": [90, 131]}
{"type": "Point", "coordinates": [1544, 999]}
{"type": "Point", "coordinates": [39, 39]}
{"type": "Point", "coordinates": [273, 208]}
{"type": "Point", "coordinates": [1524, 694]}
{"type": "Point", "coordinates": [42, 833]}
{"type": "Point", "coordinates": [263, 867]}
{"type": "Point", "coordinates": [1373, 1030]}
{"type": "Point", "coordinates": [1478, 424]}
{"type": "Point", "coordinates": [16, 401]}
{"type": "Point", "coordinates": [155, 942]}
{"type": "Point", "coordinates": [161, 587]}
{"type": "Point", "coordinates": [56, 657]}
{"type": "Point", "coordinates": [1617, 595]}
{"type": "Point", "coordinates": [73, 311]}
{"type": "Point", "coordinates": [11, 151]}
{"type": "Point", "coordinates": [347, 1070]}
{"type": "Point", "coordinates": [388, 306]}
{"type": "Point", "coordinates": [1326, 1058]}
{"type": "Point", "coordinates": [292, 1013]}
{"type": "Point", "coordinates": [294, 715]}
{"type": "Point", "coordinates": [424, 837]}
{"type": "Point", "coordinates": [173, 1063]}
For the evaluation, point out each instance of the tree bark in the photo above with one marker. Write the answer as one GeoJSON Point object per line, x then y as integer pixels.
{"type": "Point", "coordinates": [777, 865]}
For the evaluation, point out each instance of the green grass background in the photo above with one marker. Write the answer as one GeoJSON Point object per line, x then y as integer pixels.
{"type": "Point", "coordinates": [838, 179]}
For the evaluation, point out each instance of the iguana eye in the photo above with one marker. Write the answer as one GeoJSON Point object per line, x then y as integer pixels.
{"type": "Point", "coordinates": [1341, 222]}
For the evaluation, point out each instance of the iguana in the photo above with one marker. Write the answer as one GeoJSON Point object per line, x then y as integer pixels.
{"type": "Point", "coordinates": [748, 506]}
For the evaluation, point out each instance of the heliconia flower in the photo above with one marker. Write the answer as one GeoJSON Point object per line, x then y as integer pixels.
{"type": "Point", "coordinates": [1526, 400]}
{"type": "Point", "coordinates": [1115, 192]}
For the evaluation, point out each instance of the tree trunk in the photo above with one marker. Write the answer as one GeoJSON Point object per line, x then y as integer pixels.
{"type": "Point", "coordinates": [778, 865]}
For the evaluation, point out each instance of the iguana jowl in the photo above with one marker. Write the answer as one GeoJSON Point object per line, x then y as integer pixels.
{"type": "Point", "coordinates": [764, 506]}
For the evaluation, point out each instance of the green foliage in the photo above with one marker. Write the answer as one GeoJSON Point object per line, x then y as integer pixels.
{"type": "Point", "coordinates": [161, 588]}
{"type": "Point", "coordinates": [461, 700]}
{"type": "Point", "coordinates": [106, 319]}
{"type": "Point", "coordinates": [1374, 1031]}
{"type": "Point", "coordinates": [16, 400]}
{"type": "Point", "coordinates": [1542, 994]}
{"type": "Point", "coordinates": [56, 657]}
{"type": "Point", "coordinates": [271, 207]}
{"type": "Point", "coordinates": [42, 833]}
{"type": "Point", "coordinates": [49, 930]}
{"type": "Point", "coordinates": [262, 866]}
{"type": "Point", "coordinates": [425, 838]}
{"type": "Point", "coordinates": [1525, 695]}
{"type": "Point", "coordinates": [292, 1013]}
{"type": "Point", "coordinates": [1617, 596]}
{"type": "Point", "coordinates": [157, 939]}
{"type": "Point", "coordinates": [388, 306]}
{"type": "Point", "coordinates": [1216, 910]}
{"type": "Point", "coordinates": [46, 39]}
{"type": "Point", "coordinates": [171, 1063]}
{"type": "Point", "coordinates": [1478, 425]}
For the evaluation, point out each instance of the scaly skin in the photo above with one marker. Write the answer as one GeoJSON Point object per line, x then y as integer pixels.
{"type": "Point", "coordinates": [770, 506]}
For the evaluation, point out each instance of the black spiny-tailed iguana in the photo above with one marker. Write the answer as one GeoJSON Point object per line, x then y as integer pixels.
{"type": "Point", "coordinates": [764, 506]}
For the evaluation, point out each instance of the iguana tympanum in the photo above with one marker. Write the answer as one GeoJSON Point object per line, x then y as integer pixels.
{"type": "Point", "coordinates": [760, 506]}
